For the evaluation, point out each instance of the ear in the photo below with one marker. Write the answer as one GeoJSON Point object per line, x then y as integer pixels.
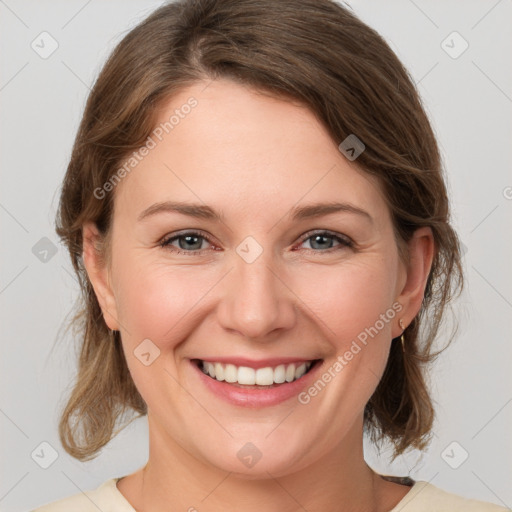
{"type": "Point", "coordinates": [421, 249]}
{"type": "Point", "coordinates": [98, 273]}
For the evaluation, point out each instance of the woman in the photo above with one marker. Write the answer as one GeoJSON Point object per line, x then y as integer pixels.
{"type": "Point", "coordinates": [256, 211]}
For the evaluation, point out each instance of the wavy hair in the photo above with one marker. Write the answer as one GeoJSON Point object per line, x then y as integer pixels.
{"type": "Point", "coordinates": [316, 52]}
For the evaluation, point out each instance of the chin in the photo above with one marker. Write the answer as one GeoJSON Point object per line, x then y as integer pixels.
{"type": "Point", "coordinates": [257, 460]}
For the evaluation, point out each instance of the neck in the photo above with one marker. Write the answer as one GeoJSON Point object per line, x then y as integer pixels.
{"type": "Point", "coordinates": [175, 480]}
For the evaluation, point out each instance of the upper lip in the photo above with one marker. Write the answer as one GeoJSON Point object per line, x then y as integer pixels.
{"type": "Point", "coordinates": [252, 363]}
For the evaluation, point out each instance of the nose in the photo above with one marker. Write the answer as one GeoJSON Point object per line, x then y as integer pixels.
{"type": "Point", "coordinates": [257, 301]}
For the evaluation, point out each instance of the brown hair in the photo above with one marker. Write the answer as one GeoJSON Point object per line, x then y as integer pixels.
{"type": "Point", "coordinates": [313, 51]}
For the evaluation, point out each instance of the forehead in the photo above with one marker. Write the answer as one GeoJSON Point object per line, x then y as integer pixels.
{"type": "Point", "coordinates": [240, 149]}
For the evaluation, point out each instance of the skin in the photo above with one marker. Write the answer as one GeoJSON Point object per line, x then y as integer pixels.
{"type": "Point", "coordinates": [254, 158]}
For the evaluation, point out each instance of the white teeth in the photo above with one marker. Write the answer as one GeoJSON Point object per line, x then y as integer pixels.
{"type": "Point", "coordinates": [264, 376]}
{"type": "Point", "coordinates": [211, 370]}
{"type": "Point", "coordinates": [300, 371]}
{"type": "Point", "coordinates": [290, 373]}
{"type": "Point", "coordinates": [246, 376]}
{"type": "Point", "coordinates": [280, 374]}
{"type": "Point", "coordinates": [219, 372]}
{"type": "Point", "coordinates": [249, 376]}
{"type": "Point", "coordinates": [230, 373]}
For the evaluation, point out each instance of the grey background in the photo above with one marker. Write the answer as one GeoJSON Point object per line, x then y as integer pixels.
{"type": "Point", "coordinates": [469, 99]}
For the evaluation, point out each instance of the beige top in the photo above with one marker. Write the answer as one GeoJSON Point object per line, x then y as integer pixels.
{"type": "Point", "coordinates": [423, 497]}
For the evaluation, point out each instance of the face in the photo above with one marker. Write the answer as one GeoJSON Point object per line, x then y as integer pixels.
{"type": "Point", "coordinates": [255, 279]}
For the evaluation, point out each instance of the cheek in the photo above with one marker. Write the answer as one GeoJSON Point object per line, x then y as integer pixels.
{"type": "Point", "coordinates": [161, 303]}
{"type": "Point", "coordinates": [157, 301]}
{"type": "Point", "coordinates": [351, 298]}
{"type": "Point", "coordinates": [353, 307]}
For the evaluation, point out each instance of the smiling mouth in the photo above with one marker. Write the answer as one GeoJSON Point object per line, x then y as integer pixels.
{"type": "Point", "coordinates": [264, 378]}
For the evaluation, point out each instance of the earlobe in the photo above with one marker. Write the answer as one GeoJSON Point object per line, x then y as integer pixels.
{"type": "Point", "coordinates": [421, 249]}
{"type": "Point", "coordinates": [98, 273]}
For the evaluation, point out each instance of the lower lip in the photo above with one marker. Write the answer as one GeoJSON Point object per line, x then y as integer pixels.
{"type": "Point", "coordinates": [249, 396]}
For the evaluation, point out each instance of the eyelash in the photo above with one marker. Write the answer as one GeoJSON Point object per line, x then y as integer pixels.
{"type": "Point", "coordinates": [344, 242]}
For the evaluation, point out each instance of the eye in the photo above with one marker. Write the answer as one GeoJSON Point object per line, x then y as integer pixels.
{"type": "Point", "coordinates": [322, 241]}
{"type": "Point", "coordinates": [190, 242]}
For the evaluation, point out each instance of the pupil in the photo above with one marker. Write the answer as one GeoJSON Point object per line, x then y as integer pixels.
{"type": "Point", "coordinates": [191, 241]}
{"type": "Point", "coordinates": [315, 240]}
{"type": "Point", "coordinates": [188, 239]}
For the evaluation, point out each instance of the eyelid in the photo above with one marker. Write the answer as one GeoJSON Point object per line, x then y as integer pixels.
{"type": "Point", "coordinates": [333, 234]}
{"type": "Point", "coordinates": [165, 241]}
{"type": "Point", "coordinates": [183, 232]}
{"type": "Point", "coordinates": [342, 238]}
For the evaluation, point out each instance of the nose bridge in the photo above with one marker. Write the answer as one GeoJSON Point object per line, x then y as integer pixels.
{"type": "Point", "coordinates": [256, 301]}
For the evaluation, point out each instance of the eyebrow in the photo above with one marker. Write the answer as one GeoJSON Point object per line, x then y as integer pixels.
{"type": "Point", "coordinates": [206, 212]}
{"type": "Point", "coordinates": [321, 209]}
{"type": "Point", "coordinates": [192, 210]}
